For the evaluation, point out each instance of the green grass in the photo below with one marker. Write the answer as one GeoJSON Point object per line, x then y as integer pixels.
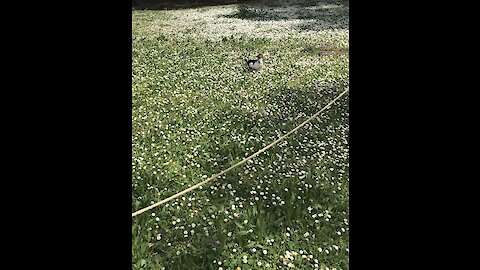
{"type": "Point", "coordinates": [197, 109]}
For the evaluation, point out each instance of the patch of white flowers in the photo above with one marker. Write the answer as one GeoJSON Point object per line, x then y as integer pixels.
{"type": "Point", "coordinates": [196, 110]}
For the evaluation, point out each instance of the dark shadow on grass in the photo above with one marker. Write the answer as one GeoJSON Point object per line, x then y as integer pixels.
{"type": "Point", "coordinates": [182, 4]}
{"type": "Point", "coordinates": [316, 15]}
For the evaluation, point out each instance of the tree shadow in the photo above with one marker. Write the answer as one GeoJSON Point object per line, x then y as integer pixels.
{"type": "Point", "coordinates": [182, 4]}
{"type": "Point", "coordinates": [315, 15]}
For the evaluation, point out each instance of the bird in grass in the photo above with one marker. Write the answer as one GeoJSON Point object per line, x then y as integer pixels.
{"type": "Point", "coordinates": [258, 63]}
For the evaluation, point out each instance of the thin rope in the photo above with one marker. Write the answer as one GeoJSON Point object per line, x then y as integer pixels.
{"type": "Point", "coordinates": [239, 163]}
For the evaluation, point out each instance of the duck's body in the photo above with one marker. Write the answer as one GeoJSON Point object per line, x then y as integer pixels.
{"type": "Point", "coordinates": [256, 64]}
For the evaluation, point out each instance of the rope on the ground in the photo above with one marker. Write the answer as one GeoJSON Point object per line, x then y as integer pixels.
{"type": "Point", "coordinates": [241, 162]}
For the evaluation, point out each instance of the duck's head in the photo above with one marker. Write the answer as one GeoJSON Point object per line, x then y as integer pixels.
{"type": "Point", "coordinates": [262, 56]}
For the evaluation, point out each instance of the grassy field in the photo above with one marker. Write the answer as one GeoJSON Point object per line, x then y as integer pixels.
{"type": "Point", "coordinates": [197, 109]}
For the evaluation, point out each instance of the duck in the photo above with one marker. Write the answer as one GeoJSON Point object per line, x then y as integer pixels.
{"type": "Point", "coordinates": [258, 63]}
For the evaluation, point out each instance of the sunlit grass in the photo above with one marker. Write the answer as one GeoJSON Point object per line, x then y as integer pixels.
{"type": "Point", "coordinates": [197, 109]}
